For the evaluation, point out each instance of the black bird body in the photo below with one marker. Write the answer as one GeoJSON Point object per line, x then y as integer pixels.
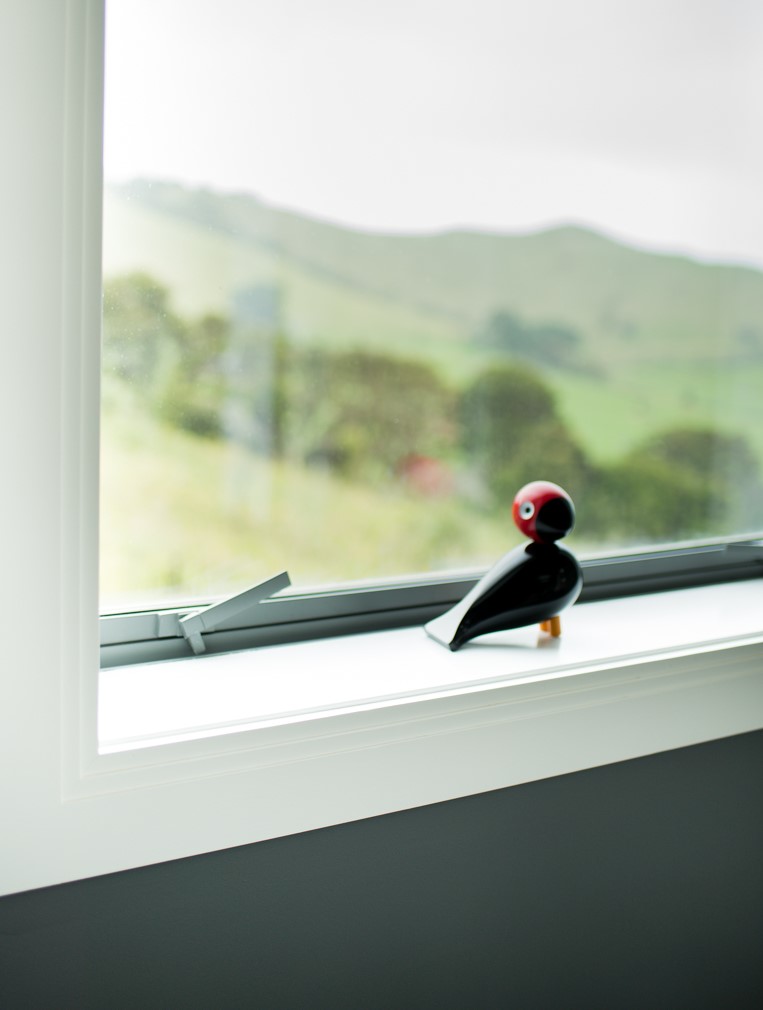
{"type": "Point", "coordinates": [531, 584]}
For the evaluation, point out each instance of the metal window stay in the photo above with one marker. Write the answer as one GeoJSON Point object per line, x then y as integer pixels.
{"type": "Point", "coordinates": [194, 625]}
{"type": "Point", "coordinates": [267, 614]}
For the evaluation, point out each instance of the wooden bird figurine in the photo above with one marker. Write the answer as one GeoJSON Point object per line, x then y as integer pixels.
{"type": "Point", "coordinates": [531, 584]}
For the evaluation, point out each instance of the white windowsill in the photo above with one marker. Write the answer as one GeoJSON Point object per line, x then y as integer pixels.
{"type": "Point", "coordinates": [191, 699]}
{"type": "Point", "coordinates": [215, 752]}
{"type": "Point", "coordinates": [354, 727]}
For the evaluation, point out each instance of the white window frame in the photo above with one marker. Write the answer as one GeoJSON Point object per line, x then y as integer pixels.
{"type": "Point", "coordinates": [70, 812]}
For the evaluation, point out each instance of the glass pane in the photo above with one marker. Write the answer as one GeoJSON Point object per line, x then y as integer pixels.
{"type": "Point", "coordinates": [369, 268]}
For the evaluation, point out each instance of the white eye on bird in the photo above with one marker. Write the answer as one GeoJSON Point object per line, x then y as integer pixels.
{"type": "Point", "coordinates": [526, 510]}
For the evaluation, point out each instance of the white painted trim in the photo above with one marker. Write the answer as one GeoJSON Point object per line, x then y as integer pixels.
{"type": "Point", "coordinates": [69, 812]}
{"type": "Point", "coordinates": [51, 55]}
{"type": "Point", "coordinates": [81, 382]}
{"type": "Point", "coordinates": [201, 795]}
{"type": "Point", "coordinates": [199, 698]}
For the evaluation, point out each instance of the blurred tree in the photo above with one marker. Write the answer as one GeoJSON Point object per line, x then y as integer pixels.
{"type": "Point", "coordinates": [511, 434]}
{"type": "Point", "coordinates": [503, 402]}
{"type": "Point", "coordinates": [174, 366]}
{"type": "Point", "coordinates": [191, 388]}
{"type": "Point", "coordinates": [641, 499]}
{"type": "Point", "coordinates": [705, 452]}
{"type": "Point", "coordinates": [725, 463]}
{"type": "Point", "coordinates": [362, 413]}
{"type": "Point", "coordinates": [678, 484]}
{"type": "Point", "coordinates": [138, 328]}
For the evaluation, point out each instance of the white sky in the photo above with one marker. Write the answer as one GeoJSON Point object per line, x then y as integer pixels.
{"type": "Point", "coordinates": [639, 117]}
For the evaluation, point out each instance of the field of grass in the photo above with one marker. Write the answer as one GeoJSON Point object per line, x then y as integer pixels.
{"type": "Point", "coordinates": [612, 417]}
{"type": "Point", "coordinates": [187, 516]}
{"type": "Point", "coordinates": [184, 516]}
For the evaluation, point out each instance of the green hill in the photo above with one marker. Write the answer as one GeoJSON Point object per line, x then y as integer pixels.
{"type": "Point", "coordinates": [205, 263]}
{"type": "Point", "coordinates": [652, 329]}
{"type": "Point", "coordinates": [627, 305]}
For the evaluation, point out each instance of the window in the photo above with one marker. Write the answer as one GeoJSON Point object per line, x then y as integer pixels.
{"type": "Point", "coordinates": [367, 271]}
{"type": "Point", "coordinates": [72, 812]}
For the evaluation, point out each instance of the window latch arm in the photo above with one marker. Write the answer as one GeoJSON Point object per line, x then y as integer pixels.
{"type": "Point", "coordinates": [195, 625]}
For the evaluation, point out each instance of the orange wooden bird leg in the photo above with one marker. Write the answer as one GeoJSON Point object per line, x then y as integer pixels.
{"type": "Point", "coordinates": [555, 627]}
{"type": "Point", "coordinates": [545, 626]}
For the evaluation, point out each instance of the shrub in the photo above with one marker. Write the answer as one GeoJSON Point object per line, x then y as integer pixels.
{"type": "Point", "coordinates": [512, 434]}
{"type": "Point", "coordinates": [679, 484]}
{"type": "Point", "coordinates": [362, 413]}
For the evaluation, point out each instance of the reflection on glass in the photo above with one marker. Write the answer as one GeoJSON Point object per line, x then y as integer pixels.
{"type": "Point", "coordinates": [508, 254]}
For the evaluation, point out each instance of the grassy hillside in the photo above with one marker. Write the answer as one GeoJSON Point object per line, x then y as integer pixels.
{"type": "Point", "coordinates": [185, 516]}
{"type": "Point", "coordinates": [628, 305]}
{"type": "Point", "coordinates": [205, 266]}
{"type": "Point", "coordinates": [653, 328]}
{"type": "Point", "coordinates": [612, 417]}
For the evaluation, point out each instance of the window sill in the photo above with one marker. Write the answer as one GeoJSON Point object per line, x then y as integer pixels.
{"type": "Point", "coordinates": [212, 696]}
{"type": "Point", "coordinates": [242, 747]}
{"type": "Point", "coordinates": [211, 753]}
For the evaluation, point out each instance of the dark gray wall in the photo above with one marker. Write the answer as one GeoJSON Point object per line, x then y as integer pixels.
{"type": "Point", "coordinates": [638, 885]}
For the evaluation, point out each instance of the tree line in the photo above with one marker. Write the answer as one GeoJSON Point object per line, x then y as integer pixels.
{"type": "Point", "coordinates": [376, 418]}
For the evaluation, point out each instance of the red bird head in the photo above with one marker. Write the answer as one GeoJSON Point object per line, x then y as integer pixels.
{"type": "Point", "coordinates": [543, 511]}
